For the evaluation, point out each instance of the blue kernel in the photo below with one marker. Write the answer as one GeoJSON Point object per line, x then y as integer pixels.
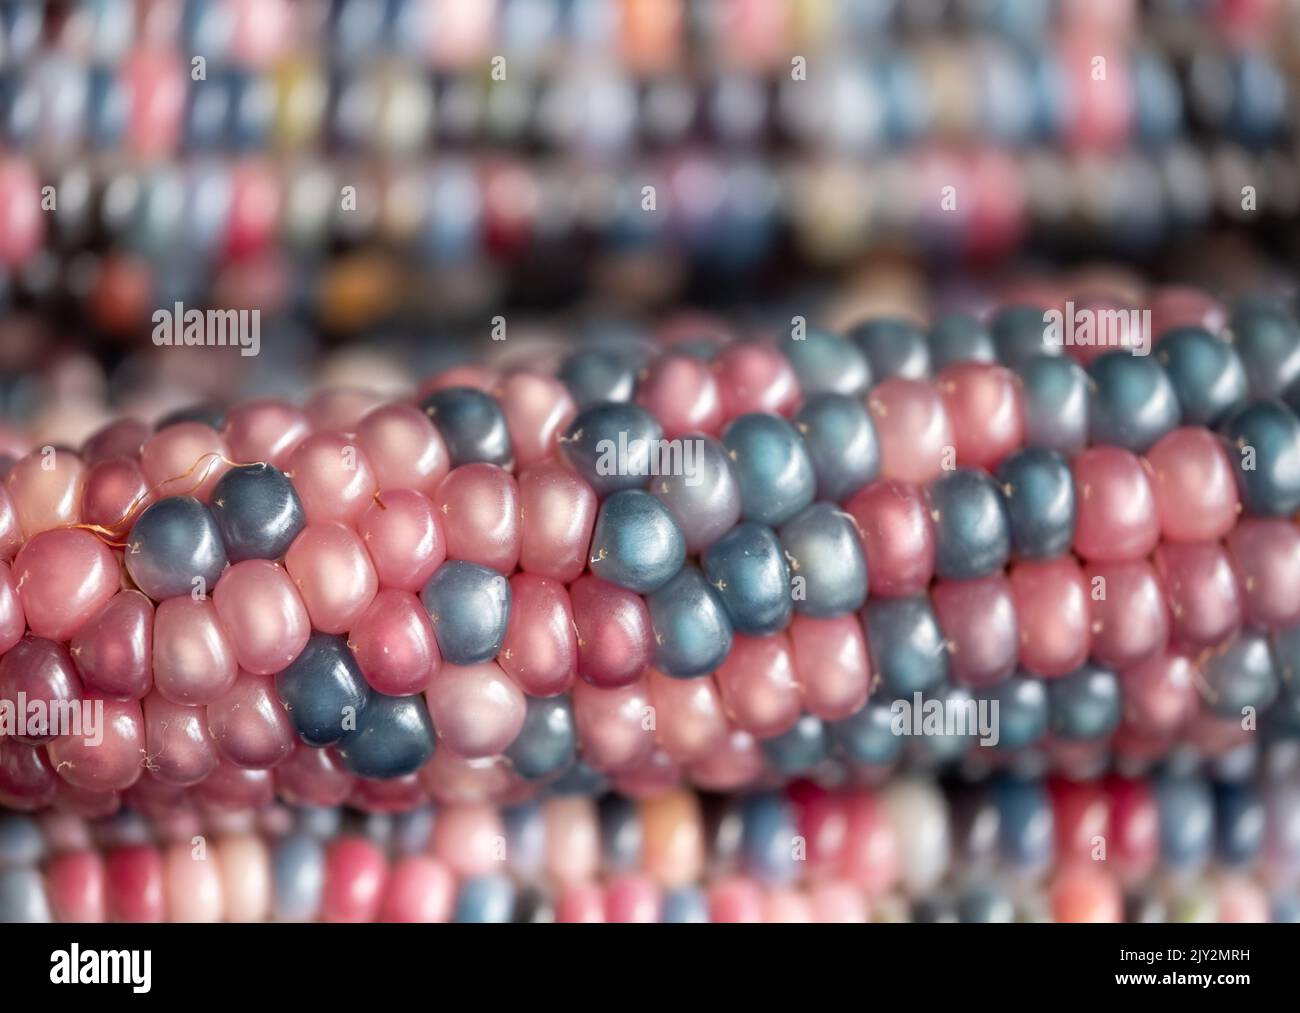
{"type": "Point", "coordinates": [257, 511]}
{"type": "Point", "coordinates": [1023, 710]}
{"type": "Point", "coordinates": [636, 543]}
{"type": "Point", "coordinates": [1054, 392]}
{"type": "Point", "coordinates": [749, 571]}
{"type": "Point", "coordinates": [1208, 377]}
{"type": "Point", "coordinates": [1264, 438]}
{"type": "Point", "coordinates": [822, 547]}
{"type": "Point", "coordinates": [768, 838]}
{"type": "Point", "coordinates": [613, 446]}
{"type": "Point", "coordinates": [547, 742]}
{"type": "Point", "coordinates": [1268, 341]}
{"type": "Point", "coordinates": [1241, 821]}
{"type": "Point", "coordinates": [867, 736]}
{"type": "Point", "coordinates": [1241, 676]}
{"type": "Point", "coordinates": [1020, 334]}
{"type": "Point", "coordinates": [691, 627]}
{"type": "Point", "coordinates": [972, 533]}
{"type": "Point", "coordinates": [1185, 810]}
{"type": "Point", "coordinates": [22, 897]}
{"type": "Point", "coordinates": [826, 363]}
{"type": "Point", "coordinates": [297, 877]}
{"type": "Point", "coordinates": [1026, 827]}
{"type": "Point", "coordinates": [485, 900]}
{"type": "Point", "coordinates": [893, 347]}
{"type": "Point", "coordinates": [960, 337]}
{"type": "Point", "coordinates": [1039, 492]}
{"type": "Point", "coordinates": [841, 440]}
{"type": "Point", "coordinates": [594, 375]}
{"type": "Point", "coordinates": [579, 779]}
{"type": "Point", "coordinates": [21, 840]}
{"type": "Point", "coordinates": [798, 749]}
{"type": "Point", "coordinates": [322, 688]}
{"type": "Point", "coordinates": [685, 905]}
{"type": "Point", "coordinates": [1133, 401]}
{"type": "Point", "coordinates": [704, 499]}
{"type": "Point", "coordinates": [907, 647]}
{"type": "Point", "coordinates": [174, 543]}
{"type": "Point", "coordinates": [471, 424]}
{"type": "Point", "coordinates": [470, 606]}
{"type": "Point", "coordinates": [1086, 704]}
{"type": "Point", "coordinates": [393, 737]}
{"type": "Point", "coordinates": [776, 473]}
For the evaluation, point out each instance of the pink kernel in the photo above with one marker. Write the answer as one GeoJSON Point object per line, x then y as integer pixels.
{"type": "Point", "coordinates": [114, 494]}
{"type": "Point", "coordinates": [631, 899]}
{"type": "Point", "coordinates": [832, 664]}
{"type": "Point", "coordinates": [754, 377]}
{"type": "Point", "coordinates": [477, 709]}
{"type": "Point", "coordinates": [872, 856]}
{"type": "Point", "coordinates": [580, 904]}
{"type": "Point", "coordinates": [12, 621]}
{"type": "Point", "coordinates": [27, 781]}
{"type": "Point", "coordinates": [193, 659]}
{"type": "Point", "coordinates": [1194, 485]}
{"type": "Point", "coordinates": [1117, 518]}
{"type": "Point", "coordinates": [983, 403]}
{"type": "Point", "coordinates": [403, 534]}
{"type": "Point", "coordinates": [65, 576]}
{"type": "Point", "coordinates": [111, 763]}
{"type": "Point", "coordinates": [333, 573]}
{"type": "Point", "coordinates": [978, 619]}
{"type": "Point", "coordinates": [1266, 552]}
{"type": "Point", "coordinates": [420, 890]}
{"type": "Point", "coordinates": [758, 684]}
{"type": "Point", "coordinates": [38, 671]}
{"type": "Point", "coordinates": [1160, 694]}
{"type": "Point", "coordinates": [394, 644]}
{"type": "Point", "coordinates": [537, 409]}
{"type": "Point", "coordinates": [404, 448]}
{"type": "Point", "coordinates": [1053, 614]}
{"type": "Point", "coordinates": [615, 641]}
{"type": "Point", "coordinates": [76, 884]}
{"type": "Point", "coordinates": [468, 839]}
{"type": "Point", "coordinates": [261, 612]}
{"type": "Point", "coordinates": [1130, 620]}
{"type": "Point", "coordinates": [540, 650]}
{"type": "Point", "coordinates": [1202, 591]}
{"type": "Point", "coordinates": [11, 532]}
{"type": "Point", "coordinates": [249, 724]}
{"type": "Point", "coordinates": [265, 430]}
{"type": "Point", "coordinates": [184, 460]}
{"type": "Point", "coordinates": [612, 724]}
{"type": "Point", "coordinates": [735, 900]}
{"type": "Point", "coordinates": [178, 746]}
{"type": "Point", "coordinates": [916, 435]}
{"type": "Point", "coordinates": [557, 511]}
{"type": "Point", "coordinates": [45, 488]}
{"type": "Point", "coordinates": [690, 722]}
{"type": "Point", "coordinates": [355, 873]}
{"type": "Point", "coordinates": [1081, 893]}
{"type": "Point", "coordinates": [897, 535]}
{"type": "Point", "coordinates": [114, 650]}
{"type": "Point", "coordinates": [312, 776]}
{"type": "Point", "coordinates": [120, 439]}
{"type": "Point", "coordinates": [479, 505]}
{"type": "Point", "coordinates": [333, 477]}
{"type": "Point", "coordinates": [681, 392]}
{"type": "Point", "coordinates": [341, 408]}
